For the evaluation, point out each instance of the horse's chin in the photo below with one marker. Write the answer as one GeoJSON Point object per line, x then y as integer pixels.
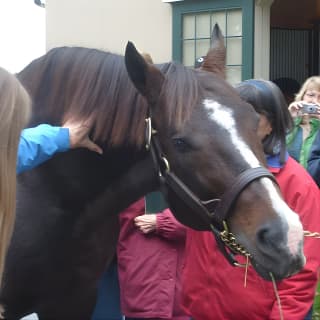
{"type": "Point", "coordinates": [278, 269]}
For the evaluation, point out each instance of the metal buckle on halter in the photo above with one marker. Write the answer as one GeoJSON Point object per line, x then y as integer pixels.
{"type": "Point", "coordinates": [148, 133]}
{"type": "Point", "coordinates": [166, 165]}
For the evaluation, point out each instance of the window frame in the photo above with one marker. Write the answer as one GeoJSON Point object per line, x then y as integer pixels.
{"type": "Point", "coordinates": [197, 6]}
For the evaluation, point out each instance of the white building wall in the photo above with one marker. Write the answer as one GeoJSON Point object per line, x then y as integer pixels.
{"type": "Point", "coordinates": [109, 24]}
{"type": "Point", "coordinates": [262, 39]}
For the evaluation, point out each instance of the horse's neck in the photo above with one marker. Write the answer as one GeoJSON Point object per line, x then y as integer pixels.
{"type": "Point", "coordinates": [84, 177]}
{"type": "Point", "coordinates": [136, 182]}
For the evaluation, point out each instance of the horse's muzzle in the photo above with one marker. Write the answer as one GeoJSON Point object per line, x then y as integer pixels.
{"type": "Point", "coordinates": [278, 252]}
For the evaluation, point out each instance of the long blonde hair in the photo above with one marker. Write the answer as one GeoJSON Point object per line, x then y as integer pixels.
{"type": "Point", "coordinates": [312, 83]}
{"type": "Point", "coordinates": [14, 114]}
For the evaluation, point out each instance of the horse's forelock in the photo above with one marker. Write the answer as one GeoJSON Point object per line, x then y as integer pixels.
{"type": "Point", "coordinates": [181, 91]}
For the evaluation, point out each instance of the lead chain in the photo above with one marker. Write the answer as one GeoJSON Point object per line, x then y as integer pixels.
{"type": "Point", "coordinates": [230, 241]}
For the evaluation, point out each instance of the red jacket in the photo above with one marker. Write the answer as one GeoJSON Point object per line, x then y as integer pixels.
{"type": "Point", "coordinates": [214, 290]}
{"type": "Point", "coordinates": [150, 266]}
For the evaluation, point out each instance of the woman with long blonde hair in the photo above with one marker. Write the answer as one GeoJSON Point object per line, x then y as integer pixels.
{"type": "Point", "coordinates": [14, 114]}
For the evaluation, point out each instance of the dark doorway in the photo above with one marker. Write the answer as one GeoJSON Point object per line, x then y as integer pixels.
{"type": "Point", "coordinates": [294, 39]}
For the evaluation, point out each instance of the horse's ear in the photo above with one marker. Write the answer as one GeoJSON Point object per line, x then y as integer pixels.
{"type": "Point", "coordinates": [147, 57]}
{"type": "Point", "coordinates": [146, 77]}
{"type": "Point", "coordinates": [215, 60]}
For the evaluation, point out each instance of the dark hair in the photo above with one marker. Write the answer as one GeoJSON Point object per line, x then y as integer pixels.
{"type": "Point", "coordinates": [267, 99]}
{"type": "Point", "coordinates": [287, 85]}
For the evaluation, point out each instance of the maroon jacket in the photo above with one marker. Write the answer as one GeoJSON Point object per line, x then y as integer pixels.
{"type": "Point", "coordinates": [150, 266]}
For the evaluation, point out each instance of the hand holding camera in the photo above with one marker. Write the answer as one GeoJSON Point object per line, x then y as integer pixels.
{"type": "Point", "coordinates": [301, 108]}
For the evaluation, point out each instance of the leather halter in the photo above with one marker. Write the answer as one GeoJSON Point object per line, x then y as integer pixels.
{"type": "Point", "coordinates": [214, 212]}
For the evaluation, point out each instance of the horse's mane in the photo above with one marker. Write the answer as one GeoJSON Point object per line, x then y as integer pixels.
{"type": "Point", "coordinates": [85, 83]}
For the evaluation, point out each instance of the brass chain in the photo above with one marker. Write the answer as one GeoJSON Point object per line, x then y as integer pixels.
{"type": "Point", "coordinates": [230, 241]}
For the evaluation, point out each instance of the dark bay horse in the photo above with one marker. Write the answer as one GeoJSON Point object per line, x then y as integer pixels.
{"type": "Point", "coordinates": [66, 226]}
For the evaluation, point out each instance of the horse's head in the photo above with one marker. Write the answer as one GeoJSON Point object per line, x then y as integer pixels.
{"type": "Point", "coordinates": [208, 135]}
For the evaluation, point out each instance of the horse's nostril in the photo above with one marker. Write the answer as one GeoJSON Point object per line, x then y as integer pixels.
{"type": "Point", "coordinates": [262, 236]}
{"type": "Point", "coordinates": [269, 236]}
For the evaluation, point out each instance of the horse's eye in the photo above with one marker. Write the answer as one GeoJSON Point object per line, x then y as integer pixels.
{"type": "Point", "coordinates": [180, 144]}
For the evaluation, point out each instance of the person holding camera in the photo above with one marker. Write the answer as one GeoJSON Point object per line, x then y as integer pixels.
{"type": "Point", "coordinates": [302, 141]}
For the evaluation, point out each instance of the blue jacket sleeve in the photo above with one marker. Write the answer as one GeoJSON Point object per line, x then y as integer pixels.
{"type": "Point", "coordinates": [314, 160]}
{"type": "Point", "coordinates": [39, 144]}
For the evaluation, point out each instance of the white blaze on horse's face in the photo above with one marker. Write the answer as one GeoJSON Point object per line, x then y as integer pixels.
{"type": "Point", "coordinates": [295, 231]}
{"type": "Point", "coordinates": [223, 116]}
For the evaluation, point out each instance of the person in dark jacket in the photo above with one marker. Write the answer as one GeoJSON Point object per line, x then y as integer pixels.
{"type": "Point", "coordinates": [314, 160]}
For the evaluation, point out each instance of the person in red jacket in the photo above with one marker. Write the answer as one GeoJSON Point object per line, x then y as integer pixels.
{"type": "Point", "coordinates": [150, 254]}
{"type": "Point", "coordinates": [215, 290]}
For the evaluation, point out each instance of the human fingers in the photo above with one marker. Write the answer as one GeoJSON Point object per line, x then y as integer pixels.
{"type": "Point", "coordinates": [89, 144]}
{"type": "Point", "coordinates": [145, 217]}
{"type": "Point", "coordinates": [138, 222]}
{"type": "Point", "coordinates": [143, 224]}
{"type": "Point", "coordinates": [296, 105]}
{"type": "Point", "coordinates": [79, 135]}
{"type": "Point", "coordinates": [317, 114]}
{"type": "Point", "coordinates": [146, 229]}
{"type": "Point", "coordinates": [294, 108]}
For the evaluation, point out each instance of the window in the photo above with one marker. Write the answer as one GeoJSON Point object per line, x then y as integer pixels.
{"type": "Point", "coordinates": [192, 25]}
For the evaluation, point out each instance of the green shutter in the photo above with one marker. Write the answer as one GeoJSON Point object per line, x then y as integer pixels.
{"type": "Point", "coordinates": [155, 202]}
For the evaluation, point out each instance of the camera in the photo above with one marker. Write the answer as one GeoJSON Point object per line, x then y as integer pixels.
{"type": "Point", "coordinates": [309, 108]}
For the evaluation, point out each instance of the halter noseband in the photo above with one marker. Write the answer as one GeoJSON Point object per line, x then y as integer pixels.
{"type": "Point", "coordinates": [214, 212]}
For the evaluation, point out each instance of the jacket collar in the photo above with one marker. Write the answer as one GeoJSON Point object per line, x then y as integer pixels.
{"type": "Point", "coordinates": [273, 162]}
